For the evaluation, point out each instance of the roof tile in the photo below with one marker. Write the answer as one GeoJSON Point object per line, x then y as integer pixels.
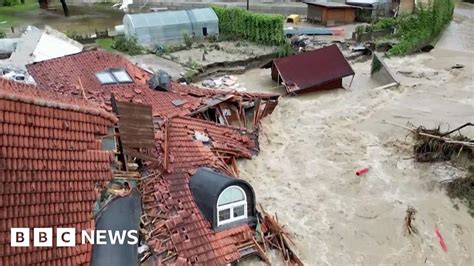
{"type": "Point", "coordinates": [39, 174]}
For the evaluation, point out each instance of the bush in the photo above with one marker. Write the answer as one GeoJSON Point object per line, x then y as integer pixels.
{"type": "Point", "coordinates": [10, 2]}
{"type": "Point", "coordinates": [285, 50]}
{"type": "Point", "coordinates": [127, 45]}
{"type": "Point", "coordinates": [243, 24]}
{"type": "Point", "coordinates": [2, 35]}
{"type": "Point", "coordinates": [188, 40]}
{"type": "Point", "coordinates": [424, 26]}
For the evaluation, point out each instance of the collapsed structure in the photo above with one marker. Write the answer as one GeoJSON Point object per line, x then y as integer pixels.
{"type": "Point", "coordinates": [320, 69]}
{"type": "Point", "coordinates": [175, 144]}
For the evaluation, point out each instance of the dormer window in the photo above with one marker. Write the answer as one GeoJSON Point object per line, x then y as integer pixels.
{"type": "Point", "coordinates": [223, 200]}
{"type": "Point", "coordinates": [231, 205]}
{"type": "Point", "coordinates": [113, 76]}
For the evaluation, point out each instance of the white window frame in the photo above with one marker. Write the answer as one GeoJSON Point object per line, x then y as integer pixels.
{"type": "Point", "coordinates": [114, 77]}
{"type": "Point", "coordinates": [231, 207]}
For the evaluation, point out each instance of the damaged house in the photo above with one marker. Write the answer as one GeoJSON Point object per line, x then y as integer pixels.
{"type": "Point", "coordinates": [320, 69]}
{"type": "Point", "coordinates": [176, 145]}
{"type": "Point", "coordinates": [52, 155]}
{"type": "Point", "coordinates": [96, 75]}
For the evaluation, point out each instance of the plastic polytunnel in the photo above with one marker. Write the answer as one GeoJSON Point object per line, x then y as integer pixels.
{"type": "Point", "coordinates": [168, 26]}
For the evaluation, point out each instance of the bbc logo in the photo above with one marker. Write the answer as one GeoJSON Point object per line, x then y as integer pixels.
{"type": "Point", "coordinates": [43, 237]}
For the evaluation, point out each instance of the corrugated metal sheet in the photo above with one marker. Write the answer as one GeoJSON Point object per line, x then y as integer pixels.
{"type": "Point", "coordinates": [312, 69]}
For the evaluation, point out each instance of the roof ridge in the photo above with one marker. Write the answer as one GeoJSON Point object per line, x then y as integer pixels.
{"type": "Point", "coordinates": [43, 100]}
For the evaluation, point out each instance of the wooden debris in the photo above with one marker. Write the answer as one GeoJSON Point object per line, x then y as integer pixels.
{"type": "Point", "coordinates": [277, 237]}
{"type": "Point", "coordinates": [409, 228]}
{"type": "Point", "coordinates": [261, 252]}
{"type": "Point", "coordinates": [433, 145]}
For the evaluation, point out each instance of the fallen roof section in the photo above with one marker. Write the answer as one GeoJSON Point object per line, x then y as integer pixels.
{"type": "Point", "coordinates": [312, 70]}
{"type": "Point", "coordinates": [37, 45]}
{"type": "Point", "coordinates": [189, 143]}
{"type": "Point", "coordinates": [380, 72]}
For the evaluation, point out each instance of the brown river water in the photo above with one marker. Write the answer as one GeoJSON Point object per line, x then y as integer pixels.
{"type": "Point", "coordinates": [312, 145]}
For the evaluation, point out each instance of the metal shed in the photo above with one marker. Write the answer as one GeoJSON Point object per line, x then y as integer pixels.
{"type": "Point", "coordinates": [168, 26]}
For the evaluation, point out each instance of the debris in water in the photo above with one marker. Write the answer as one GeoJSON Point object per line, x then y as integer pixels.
{"type": "Point", "coordinates": [409, 228]}
{"type": "Point", "coordinates": [441, 240]}
{"type": "Point", "coordinates": [433, 145]}
{"type": "Point", "coordinates": [362, 171]}
{"type": "Point", "coordinates": [274, 236]}
{"type": "Point", "coordinates": [457, 66]}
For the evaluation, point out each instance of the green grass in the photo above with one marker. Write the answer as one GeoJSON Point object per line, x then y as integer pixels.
{"type": "Point", "coordinates": [105, 43]}
{"type": "Point", "coordinates": [8, 13]}
{"type": "Point", "coordinates": [29, 5]}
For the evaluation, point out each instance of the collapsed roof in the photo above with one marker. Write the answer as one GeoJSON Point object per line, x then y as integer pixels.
{"type": "Point", "coordinates": [37, 45]}
{"type": "Point", "coordinates": [174, 226]}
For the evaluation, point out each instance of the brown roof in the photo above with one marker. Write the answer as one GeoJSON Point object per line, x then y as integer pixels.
{"type": "Point", "coordinates": [50, 160]}
{"type": "Point", "coordinates": [314, 68]}
{"type": "Point", "coordinates": [66, 74]}
{"type": "Point", "coordinates": [330, 5]}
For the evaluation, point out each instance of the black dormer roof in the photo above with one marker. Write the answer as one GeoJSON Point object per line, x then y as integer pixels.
{"type": "Point", "coordinates": [206, 186]}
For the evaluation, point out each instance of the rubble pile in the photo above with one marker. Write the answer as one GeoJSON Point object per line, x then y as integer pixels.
{"type": "Point", "coordinates": [226, 82]}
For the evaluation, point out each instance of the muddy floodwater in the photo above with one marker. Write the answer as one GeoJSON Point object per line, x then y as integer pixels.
{"type": "Point", "coordinates": [312, 145]}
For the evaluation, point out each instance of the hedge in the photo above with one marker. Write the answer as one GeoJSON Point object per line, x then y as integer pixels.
{"type": "Point", "coordinates": [260, 28]}
{"type": "Point", "coordinates": [422, 27]}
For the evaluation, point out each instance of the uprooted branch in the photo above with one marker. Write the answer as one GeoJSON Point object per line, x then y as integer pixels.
{"type": "Point", "coordinates": [434, 145]}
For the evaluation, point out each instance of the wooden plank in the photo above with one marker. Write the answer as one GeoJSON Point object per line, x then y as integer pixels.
{"type": "Point", "coordinates": [141, 155]}
{"type": "Point", "coordinates": [123, 106]}
{"type": "Point", "coordinates": [261, 252]}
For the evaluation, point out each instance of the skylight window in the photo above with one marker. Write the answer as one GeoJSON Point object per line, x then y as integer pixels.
{"type": "Point", "coordinates": [121, 76]}
{"type": "Point", "coordinates": [105, 78]}
{"type": "Point", "coordinates": [113, 76]}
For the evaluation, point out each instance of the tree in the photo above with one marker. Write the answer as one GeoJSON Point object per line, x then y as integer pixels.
{"type": "Point", "coordinates": [65, 8]}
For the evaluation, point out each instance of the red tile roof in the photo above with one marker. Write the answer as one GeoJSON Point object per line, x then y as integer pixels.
{"type": "Point", "coordinates": [314, 68]}
{"type": "Point", "coordinates": [74, 76]}
{"type": "Point", "coordinates": [186, 232]}
{"type": "Point", "coordinates": [183, 152]}
{"type": "Point", "coordinates": [50, 160]}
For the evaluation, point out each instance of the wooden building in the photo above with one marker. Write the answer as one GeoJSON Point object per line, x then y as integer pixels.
{"type": "Point", "coordinates": [330, 13]}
